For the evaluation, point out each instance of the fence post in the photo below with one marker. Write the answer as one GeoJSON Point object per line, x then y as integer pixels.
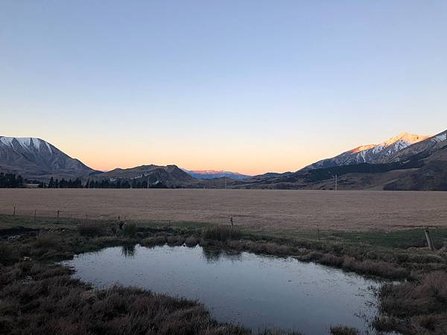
{"type": "Point", "coordinates": [57, 216]}
{"type": "Point", "coordinates": [14, 211]}
{"type": "Point", "coordinates": [429, 240]}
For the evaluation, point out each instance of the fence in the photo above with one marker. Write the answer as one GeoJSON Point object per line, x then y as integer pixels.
{"type": "Point", "coordinates": [65, 216]}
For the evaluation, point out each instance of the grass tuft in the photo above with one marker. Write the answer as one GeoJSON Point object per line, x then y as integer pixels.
{"type": "Point", "coordinates": [222, 233]}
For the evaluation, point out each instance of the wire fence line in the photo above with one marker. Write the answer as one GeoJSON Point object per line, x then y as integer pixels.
{"type": "Point", "coordinates": [64, 215]}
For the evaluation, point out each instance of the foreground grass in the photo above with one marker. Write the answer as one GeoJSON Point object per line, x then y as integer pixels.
{"type": "Point", "coordinates": [415, 307]}
{"type": "Point", "coordinates": [43, 299]}
{"type": "Point", "coordinates": [27, 275]}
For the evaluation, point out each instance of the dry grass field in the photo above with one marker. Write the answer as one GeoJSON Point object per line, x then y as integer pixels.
{"type": "Point", "coordinates": [257, 209]}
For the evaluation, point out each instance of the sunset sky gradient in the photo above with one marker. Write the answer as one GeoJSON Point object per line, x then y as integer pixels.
{"type": "Point", "coordinates": [249, 86]}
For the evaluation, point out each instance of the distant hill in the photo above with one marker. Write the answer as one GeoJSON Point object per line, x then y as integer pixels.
{"type": "Point", "coordinates": [212, 174]}
{"type": "Point", "coordinates": [153, 175]}
{"type": "Point", "coordinates": [35, 158]}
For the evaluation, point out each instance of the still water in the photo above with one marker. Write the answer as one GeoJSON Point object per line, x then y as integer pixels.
{"type": "Point", "coordinates": [254, 291]}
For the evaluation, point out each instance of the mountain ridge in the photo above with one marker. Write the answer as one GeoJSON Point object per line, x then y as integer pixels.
{"type": "Point", "coordinates": [213, 174]}
{"type": "Point", "coordinates": [419, 166]}
{"type": "Point", "coordinates": [370, 153]}
{"type": "Point", "coordinates": [33, 157]}
{"type": "Point", "coordinates": [168, 176]}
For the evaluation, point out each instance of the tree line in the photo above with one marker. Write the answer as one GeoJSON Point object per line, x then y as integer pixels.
{"type": "Point", "coordinates": [104, 183]}
{"type": "Point", "coordinates": [63, 183]}
{"type": "Point", "coordinates": [10, 180]}
{"type": "Point", "coordinates": [122, 183]}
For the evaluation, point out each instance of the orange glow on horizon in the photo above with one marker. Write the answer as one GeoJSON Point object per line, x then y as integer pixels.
{"type": "Point", "coordinates": [193, 166]}
{"type": "Point", "coordinates": [249, 158]}
{"type": "Point", "coordinates": [252, 165]}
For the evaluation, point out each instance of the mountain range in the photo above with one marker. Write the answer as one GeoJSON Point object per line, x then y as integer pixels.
{"type": "Point", "coordinates": [403, 162]}
{"type": "Point", "coordinates": [212, 174]}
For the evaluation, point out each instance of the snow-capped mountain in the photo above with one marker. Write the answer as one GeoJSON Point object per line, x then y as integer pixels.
{"type": "Point", "coordinates": [395, 164]}
{"type": "Point", "coordinates": [371, 153]}
{"type": "Point", "coordinates": [35, 158]}
{"type": "Point", "coordinates": [421, 148]}
{"type": "Point", "coordinates": [212, 174]}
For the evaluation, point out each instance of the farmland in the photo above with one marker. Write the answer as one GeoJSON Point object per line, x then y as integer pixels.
{"type": "Point", "coordinates": [263, 210]}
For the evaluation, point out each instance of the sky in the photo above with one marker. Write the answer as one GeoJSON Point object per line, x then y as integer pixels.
{"type": "Point", "coordinates": [241, 85]}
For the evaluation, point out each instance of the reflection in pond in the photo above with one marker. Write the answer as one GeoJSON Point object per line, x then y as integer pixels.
{"type": "Point", "coordinates": [255, 291]}
{"type": "Point", "coordinates": [128, 250]}
{"type": "Point", "coordinates": [214, 255]}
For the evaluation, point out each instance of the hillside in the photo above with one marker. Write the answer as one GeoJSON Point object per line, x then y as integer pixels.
{"type": "Point", "coordinates": [152, 175]}
{"type": "Point", "coordinates": [418, 166]}
{"type": "Point", "coordinates": [34, 158]}
{"type": "Point", "coordinates": [371, 153]}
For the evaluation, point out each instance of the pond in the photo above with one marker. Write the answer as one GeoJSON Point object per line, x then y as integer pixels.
{"type": "Point", "coordinates": [254, 291]}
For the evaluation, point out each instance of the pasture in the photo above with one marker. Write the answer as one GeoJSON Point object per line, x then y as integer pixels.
{"type": "Point", "coordinates": [262, 210]}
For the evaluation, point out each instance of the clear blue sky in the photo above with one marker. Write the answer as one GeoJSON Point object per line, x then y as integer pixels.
{"type": "Point", "coordinates": [252, 86]}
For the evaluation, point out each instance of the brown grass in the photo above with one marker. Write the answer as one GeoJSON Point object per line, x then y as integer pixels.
{"type": "Point", "coordinates": [415, 307]}
{"type": "Point", "coordinates": [43, 299]}
{"type": "Point", "coordinates": [260, 209]}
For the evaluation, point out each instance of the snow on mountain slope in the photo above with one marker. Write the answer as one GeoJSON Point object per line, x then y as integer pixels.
{"type": "Point", "coordinates": [34, 158]}
{"type": "Point", "coordinates": [372, 153]}
{"type": "Point", "coordinates": [421, 148]}
{"type": "Point", "coordinates": [28, 143]}
{"type": "Point", "coordinates": [211, 174]}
